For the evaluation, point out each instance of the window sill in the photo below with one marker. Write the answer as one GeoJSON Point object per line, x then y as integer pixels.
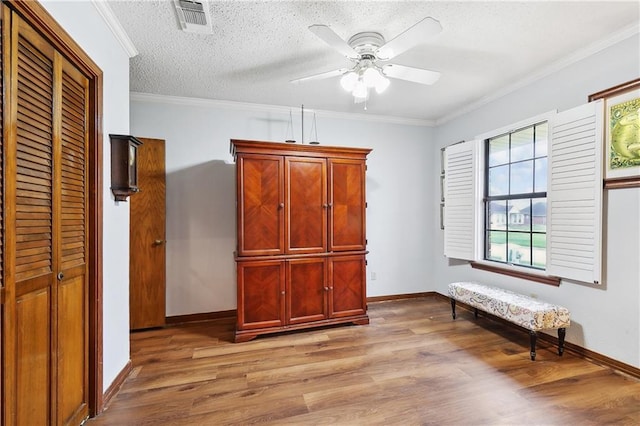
{"type": "Point", "coordinates": [518, 273]}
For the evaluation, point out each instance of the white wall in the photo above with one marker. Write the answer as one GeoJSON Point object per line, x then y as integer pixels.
{"type": "Point", "coordinates": [605, 319]}
{"type": "Point", "coordinates": [83, 23]}
{"type": "Point", "coordinates": [201, 194]}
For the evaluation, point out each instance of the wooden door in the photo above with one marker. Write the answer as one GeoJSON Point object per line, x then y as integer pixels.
{"type": "Point", "coordinates": [306, 290]}
{"type": "Point", "coordinates": [260, 186]}
{"type": "Point", "coordinates": [71, 256]}
{"type": "Point", "coordinates": [347, 286]}
{"type": "Point", "coordinates": [306, 205]}
{"type": "Point", "coordinates": [347, 228]}
{"type": "Point", "coordinates": [47, 205]}
{"type": "Point", "coordinates": [261, 291]}
{"type": "Point", "coordinates": [147, 257]}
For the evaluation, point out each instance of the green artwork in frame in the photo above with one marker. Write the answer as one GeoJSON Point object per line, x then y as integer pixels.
{"type": "Point", "coordinates": [622, 134]}
{"type": "Point", "coordinates": [624, 128]}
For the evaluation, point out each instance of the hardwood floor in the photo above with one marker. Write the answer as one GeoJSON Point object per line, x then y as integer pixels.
{"type": "Point", "coordinates": [412, 365]}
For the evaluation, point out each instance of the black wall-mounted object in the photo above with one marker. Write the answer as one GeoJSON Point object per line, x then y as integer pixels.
{"type": "Point", "coordinates": [124, 167]}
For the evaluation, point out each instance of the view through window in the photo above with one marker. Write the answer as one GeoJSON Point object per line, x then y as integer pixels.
{"type": "Point", "coordinates": [516, 197]}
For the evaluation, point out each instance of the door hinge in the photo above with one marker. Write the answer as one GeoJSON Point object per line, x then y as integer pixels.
{"type": "Point", "coordinates": [366, 205]}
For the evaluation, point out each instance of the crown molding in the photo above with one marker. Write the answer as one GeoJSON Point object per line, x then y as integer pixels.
{"type": "Point", "coordinates": [114, 25]}
{"type": "Point", "coordinates": [592, 49]}
{"type": "Point", "coordinates": [246, 106]}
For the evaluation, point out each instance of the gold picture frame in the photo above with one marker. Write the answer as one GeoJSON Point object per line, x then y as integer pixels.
{"type": "Point", "coordinates": [622, 134]}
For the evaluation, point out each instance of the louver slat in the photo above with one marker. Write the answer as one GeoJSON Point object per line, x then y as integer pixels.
{"type": "Point", "coordinates": [460, 200]}
{"type": "Point", "coordinates": [34, 163]}
{"type": "Point", "coordinates": [73, 180]}
{"type": "Point", "coordinates": [575, 194]}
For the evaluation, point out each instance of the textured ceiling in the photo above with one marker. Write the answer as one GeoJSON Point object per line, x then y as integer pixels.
{"type": "Point", "coordinates": [257, 47]}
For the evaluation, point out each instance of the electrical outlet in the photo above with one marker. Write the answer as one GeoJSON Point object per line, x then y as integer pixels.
{"type": "Point", "coordinates": [373, 276]}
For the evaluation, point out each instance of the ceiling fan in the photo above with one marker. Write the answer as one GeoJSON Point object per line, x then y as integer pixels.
{"type": "Point", "coordinates": [369, 51]}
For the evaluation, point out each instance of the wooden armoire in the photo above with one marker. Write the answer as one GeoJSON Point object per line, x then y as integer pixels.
{"type": "Point", "coordinates": [301, 233]}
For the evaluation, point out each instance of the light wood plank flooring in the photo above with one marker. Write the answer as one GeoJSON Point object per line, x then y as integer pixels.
{"type": "Point", "coordinates": [412, 365]}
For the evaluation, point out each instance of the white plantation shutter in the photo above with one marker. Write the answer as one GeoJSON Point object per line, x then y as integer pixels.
{"type": "Point", "coordinates": [460, 203]}
{"type": "Point", "coordinates": [574, 215]}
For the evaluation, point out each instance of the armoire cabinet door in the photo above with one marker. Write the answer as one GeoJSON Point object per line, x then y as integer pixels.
{"type": "Point", "coordinates": [261, 294]}
{"type": "Point", "coordinates": [347, 286]}
{"type": "Point", "coordinates": [306, 205]}
{"type": "Point", "coordinates": [306, 290]}
{"type": "Point", "coordinates": [347, 205]}
{"type": "Point", "coordinates": [260, 198]}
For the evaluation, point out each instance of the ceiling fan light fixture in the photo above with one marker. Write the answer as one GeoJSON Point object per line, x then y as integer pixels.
{"type": "Point", "coordinates": [360, 90]}
{"type": "Point", "coordinates": [349, 80]}
{"type": "Point", "coordinates": [371, 76]}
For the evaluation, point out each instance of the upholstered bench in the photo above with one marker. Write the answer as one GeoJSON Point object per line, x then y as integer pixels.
{"type": "Point", "coordinates": [532, 314]}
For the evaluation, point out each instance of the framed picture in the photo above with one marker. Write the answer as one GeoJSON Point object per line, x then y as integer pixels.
{"type": "Point", "coordinates": [622, 134]}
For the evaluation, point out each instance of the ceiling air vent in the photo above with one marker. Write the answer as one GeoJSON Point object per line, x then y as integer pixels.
{"type": "Point", "coordinates": [193, 16]}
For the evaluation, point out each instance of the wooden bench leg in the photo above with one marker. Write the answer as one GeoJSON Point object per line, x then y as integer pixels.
{"type": "Point", "coordinates": [533, 335]}
{"type": "Point", "coordinates": [453, 308]}
{"type": "Point", "coordinates": [561, 333]}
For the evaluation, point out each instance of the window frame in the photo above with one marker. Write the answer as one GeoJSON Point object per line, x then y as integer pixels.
{"type": "Point", "coordinates": [514, 270]}
{"type": "Point", "coordinates": [533, 195]}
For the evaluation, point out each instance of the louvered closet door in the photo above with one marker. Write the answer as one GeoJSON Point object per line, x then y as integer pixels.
{"type": "Point", "coordinates": [70, 235]}
{"type": "Point", "coordinates": [48, 251]}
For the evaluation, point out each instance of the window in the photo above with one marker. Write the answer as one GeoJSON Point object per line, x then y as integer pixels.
{"type": "Point", "coordinates": [515, 194]}
{"type": "Point", "coordinates": [528, 202]}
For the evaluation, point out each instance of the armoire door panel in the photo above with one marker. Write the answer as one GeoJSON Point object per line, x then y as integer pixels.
{"type": "Point", "coordinates": [261, 287]}
{"type": "Point", "coordinates": [347, 281]}
{"type": "Point", "coordinates": [306, 205]}
{"type": "Point", "coordinates": [261, 205]}
{"type": "Point", "coordinates": [33, 358]}
{"type": "Point", "coordinates": [347, 200]}
{"type": "Point", "coordinates": [307, 290]}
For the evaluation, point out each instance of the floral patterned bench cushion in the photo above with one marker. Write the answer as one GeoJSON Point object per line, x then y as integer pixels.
{"type": "Point", "coordinates": [529, 313]}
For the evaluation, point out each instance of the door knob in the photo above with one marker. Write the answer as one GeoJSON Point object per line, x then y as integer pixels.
{"type": "Point", "coordinates": [158, 242]}
{"type": "Point", "coordinates": [60, 276]}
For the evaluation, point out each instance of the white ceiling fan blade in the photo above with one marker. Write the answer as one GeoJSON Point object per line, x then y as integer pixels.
{"type": "Point", "coordinates": [417, 75]}
{"type": "Point", "coordinates": [334, 40]}
{"type": "Point", "coordinates": [320, 76]}
{"type": "Point", "coordinates": [415, 35]}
